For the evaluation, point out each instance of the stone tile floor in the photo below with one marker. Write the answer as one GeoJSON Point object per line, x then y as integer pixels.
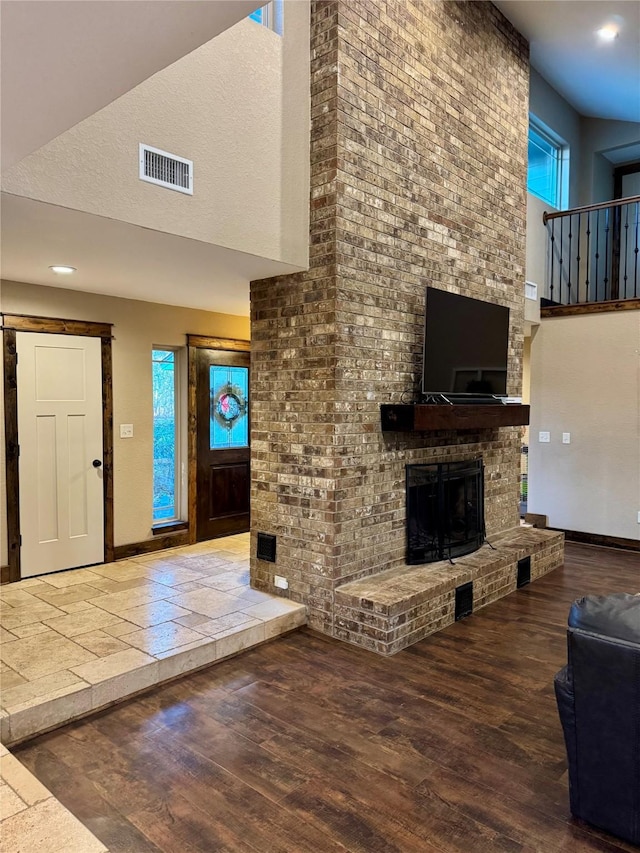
{"type": "Point", "coordinates": [32, 819]}
{"type": "Point", "coordinates": [76, 641]}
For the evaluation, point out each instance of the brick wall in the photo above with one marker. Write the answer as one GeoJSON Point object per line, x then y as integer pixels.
{"type": "Point", "coordinates": [418, 176]}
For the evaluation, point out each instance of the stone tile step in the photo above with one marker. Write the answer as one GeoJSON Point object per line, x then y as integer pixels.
{"type": "Point", "coordinates": [32, 819]}
{"type": "Point", "coordinates": [46, 703]}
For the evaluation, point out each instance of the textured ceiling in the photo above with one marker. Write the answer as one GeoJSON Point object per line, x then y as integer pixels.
{"type": "Point", "coordinates": [63, 60]}
{"type": "Point", "coordinates": [599, 79]}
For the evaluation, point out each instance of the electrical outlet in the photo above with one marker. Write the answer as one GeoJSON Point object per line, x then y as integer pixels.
{"type": "Point", "coordinates": [544, 437]}
{"type": "Point", "coordinates": [639, 518]}
{"type": "Point", "coordinates": [280, 582]}
{"type": "Point", "coordinates": [566, 438]}
{"type": "Point", "coordinates": [126, 430]}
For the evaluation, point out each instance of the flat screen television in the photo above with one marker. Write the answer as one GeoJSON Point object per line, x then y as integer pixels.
{"type": "Point", "coordinates": [465, 346]}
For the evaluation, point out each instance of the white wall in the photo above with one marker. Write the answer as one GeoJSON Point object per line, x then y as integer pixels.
{"type": "Point", "coordinates": [601, 135]}
{"type": "Point", "coordinates": [585, 380]}
{"type": "Point", "coordinates": [590, 173]}
{"type": "Point", "coordinates": [584, 370]}
{"type": "Point", "coordinates": [536, 263]}
{"type": "Point", "coordinates": [238, 107]}
{"type": "Point", "coordinates": [138, 326]}
{"type": "Point", "coordinates": [552, 109]}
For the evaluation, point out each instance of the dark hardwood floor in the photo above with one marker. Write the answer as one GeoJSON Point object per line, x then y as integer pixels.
{"type": "Point", "coordinates": [306, 744]}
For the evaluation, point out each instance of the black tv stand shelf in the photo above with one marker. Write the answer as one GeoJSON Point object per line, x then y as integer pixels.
{"type": "Point", "coordinates": [422, 417]}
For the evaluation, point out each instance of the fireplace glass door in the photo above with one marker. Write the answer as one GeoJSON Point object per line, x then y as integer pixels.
{"type": "Point", "coordinates": [445, 510]}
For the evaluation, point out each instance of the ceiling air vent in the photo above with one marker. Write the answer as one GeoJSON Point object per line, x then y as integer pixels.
{"type": "Point", "coordinates": [166, 170]}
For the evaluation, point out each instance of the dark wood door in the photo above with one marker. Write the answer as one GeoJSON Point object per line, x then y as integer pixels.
{"type": "Point", "coordinates": [222, 443]}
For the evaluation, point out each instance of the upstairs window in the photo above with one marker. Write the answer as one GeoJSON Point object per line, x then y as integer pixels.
{"type": "Point", "coordinates": [548, 169]}
{"type": "Point", "coordinates": [269, 16]}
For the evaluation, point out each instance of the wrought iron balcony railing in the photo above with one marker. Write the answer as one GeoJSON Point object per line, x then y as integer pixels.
{"type": "Point", "coordinates": [593, 253]}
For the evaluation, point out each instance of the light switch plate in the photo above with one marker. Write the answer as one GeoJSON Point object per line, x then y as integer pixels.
{"type": "Point", "coordinates": [544, 437]}
{"type": "Point", "coordinates": [566, 438]}
{"type": "Point", "coordinates": [126, 430]}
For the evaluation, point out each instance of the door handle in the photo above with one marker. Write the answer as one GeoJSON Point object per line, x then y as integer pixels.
{"type": "Point", "coordinates": [96, 463]}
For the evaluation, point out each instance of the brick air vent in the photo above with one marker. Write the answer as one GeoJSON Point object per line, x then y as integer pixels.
{"type": "Point", "coordinates": [524, 572]}
{"type": "Point", "coordinates": [464, 600]}
{"type": "Point", "coordinates": [266, 547]}
{"type": "Point", "coordinates": [166, 170]}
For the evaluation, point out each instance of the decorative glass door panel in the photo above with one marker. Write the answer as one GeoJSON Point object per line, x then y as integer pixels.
{"type": "Point", "coordinates": [229, 392]}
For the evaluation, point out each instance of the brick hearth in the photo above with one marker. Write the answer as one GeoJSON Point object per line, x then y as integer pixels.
{"type": "Point", "coordinates": [393, 609]}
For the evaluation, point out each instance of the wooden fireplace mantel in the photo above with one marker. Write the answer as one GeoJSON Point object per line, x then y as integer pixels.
{"type": "Point", "coordinates": [422, 417]}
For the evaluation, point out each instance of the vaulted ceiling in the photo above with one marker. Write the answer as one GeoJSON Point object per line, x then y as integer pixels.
{"type": "Point", "coordinates": [598, 78]}
{"type": "Point", "coordinates": [63, 60]}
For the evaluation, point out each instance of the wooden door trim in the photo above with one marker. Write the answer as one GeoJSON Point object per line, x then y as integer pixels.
{"type": "Point", "coordinates": [107, 447]}
{"type": "Point", "coordinates": [192, 455]}
{"type": "Point", "coordinates": [204, 342]}
{"type": "Point", "coordinates": [56, 326]}
{"type": "Point", "coordinates": [195, 342]}
{"type": "Point", "coordinates": [619, 172]}
{"type": "Point", "coordinates": [67, 327]}
{"type": "Point", "coordinates": [11, 453]}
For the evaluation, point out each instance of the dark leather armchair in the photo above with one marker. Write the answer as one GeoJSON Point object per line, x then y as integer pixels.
{"type": "Point", "coordinates": [598, 695]}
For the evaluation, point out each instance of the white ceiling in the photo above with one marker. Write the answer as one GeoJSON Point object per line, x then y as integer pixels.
{"type": "Point", "coordinates": [63, 60]}
{"type": "Point", "coordinates": [119, 259]}
{"type": "Point", "coordinates": [599, 79]}
{"type": "Point", "coordinates": [623, 154]}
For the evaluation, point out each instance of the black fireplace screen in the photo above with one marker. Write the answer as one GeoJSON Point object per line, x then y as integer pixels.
{"type": "Point", "coordinates": [445, 510]}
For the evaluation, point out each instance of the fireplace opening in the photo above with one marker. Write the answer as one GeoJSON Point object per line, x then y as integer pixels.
{"type": "Point", "coordinates": [445, 510]}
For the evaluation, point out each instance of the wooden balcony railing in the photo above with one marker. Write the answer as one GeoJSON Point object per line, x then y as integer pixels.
{"type": "Point", "coordinates": [593, 253]}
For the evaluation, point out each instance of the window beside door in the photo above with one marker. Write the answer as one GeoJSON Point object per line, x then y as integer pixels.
{"type": "Point", "coordinates": [167, 462]}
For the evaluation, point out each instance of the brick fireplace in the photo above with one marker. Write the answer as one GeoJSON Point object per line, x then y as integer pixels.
{"type": "Point", "coordinates": [418, 176]}
{"type": "Point", "coordinates": [444, 510]}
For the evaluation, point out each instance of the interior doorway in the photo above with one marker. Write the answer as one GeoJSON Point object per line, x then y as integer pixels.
{"type": "Point", "coordinates": [219, 437]}
{"type": "Point", "coordinates": [60, 461]}
{"type": "Point", "coordinates": [59, 446]}
{"type": "Point", "coordinates": [624, 277]}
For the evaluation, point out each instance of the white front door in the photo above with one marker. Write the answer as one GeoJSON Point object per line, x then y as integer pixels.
{"type": "Point", "coordinates": [60, 438]}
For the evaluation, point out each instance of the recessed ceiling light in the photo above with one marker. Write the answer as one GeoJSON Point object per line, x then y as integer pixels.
{"type": "Point", "coordinates": [608, 33]}
{"type": "Point", "coordinates": [62, 270]}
